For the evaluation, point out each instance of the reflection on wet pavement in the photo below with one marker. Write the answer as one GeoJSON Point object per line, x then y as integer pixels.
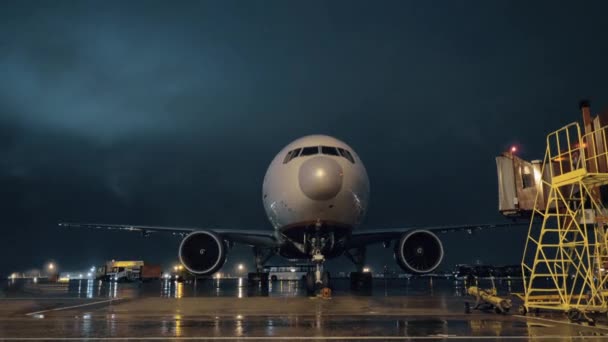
{"type": "Point", "coordinates": [216, 308]}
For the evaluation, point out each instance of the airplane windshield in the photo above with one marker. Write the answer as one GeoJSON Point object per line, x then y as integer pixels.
{"type": "Point", "coordinates": [329, 150]}
{"type": "Point", "coordinates": [309, 151]}
{"type": "Point", "coordinates": [312, 150]}
{"type": "Point", "coordinates": [291, 154]}
{"type": "Point", "coordinates": [346, 154]}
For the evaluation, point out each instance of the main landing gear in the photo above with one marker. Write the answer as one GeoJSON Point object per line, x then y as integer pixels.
{"type": "Point", "coordinates": [359, 281]}
{"type": "Point", "coordinates": [260, 278]}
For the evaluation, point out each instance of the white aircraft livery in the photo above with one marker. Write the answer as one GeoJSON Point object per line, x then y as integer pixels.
{"type": "Point", "coordinates": [315, 193]}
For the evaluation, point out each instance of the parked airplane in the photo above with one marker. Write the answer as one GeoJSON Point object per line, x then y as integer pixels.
{"type": "Point", "coordinates": [315, 192]}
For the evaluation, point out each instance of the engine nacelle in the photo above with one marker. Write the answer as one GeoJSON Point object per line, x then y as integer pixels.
{"type": "Point", "coordinates": [202, 252]}
{"type": "Point", "coordinates": [419, 251]}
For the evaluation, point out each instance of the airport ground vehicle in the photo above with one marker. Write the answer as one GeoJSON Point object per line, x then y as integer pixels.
{"type": "Point", "coordinates": [289, 272]}
{"type": "Point", "coordinates": [127, 271]}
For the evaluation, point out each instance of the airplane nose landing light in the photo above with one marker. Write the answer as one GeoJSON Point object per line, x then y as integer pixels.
{"type": "Point", "coordinates": [320, 178]}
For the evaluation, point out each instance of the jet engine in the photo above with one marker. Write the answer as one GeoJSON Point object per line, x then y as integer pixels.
{"type": "Point", "coordinates": [419, 251]}
{"type": "Point", "coordinates": [202, 252]}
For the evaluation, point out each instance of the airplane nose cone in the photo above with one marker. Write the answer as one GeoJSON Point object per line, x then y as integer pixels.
{"type": "Point", "coordinates": [320, 178]}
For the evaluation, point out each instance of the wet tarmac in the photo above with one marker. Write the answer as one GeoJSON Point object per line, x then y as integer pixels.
{"type": "Point", "coordinates": [398, 309]}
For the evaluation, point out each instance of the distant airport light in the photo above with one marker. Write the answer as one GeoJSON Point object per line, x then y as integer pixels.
{"type": "Point", "coordinates": [513, 149]}
{"type": "Point", "coordinates": [89, 275]}
{"type": "Point", "coordinates": [366, 269]}
{"type": "Point", "coordinates": [292, 270]}
{"type": "Point", "coordinates": [166, 275]}
{"type": "Point", "coordinates": [175, 268]}
{"type": "Point", "coordinates": [241, 267]}
{"type": "Point", "coordinates": [80, 276]}
{"type": "Point", "coordinates": [92, 269]}
{"type": "Point", "coordinates": [51, 266]}
{"type": "Point", "coordinates": [180, 267]}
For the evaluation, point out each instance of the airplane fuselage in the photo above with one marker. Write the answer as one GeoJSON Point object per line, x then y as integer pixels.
{"type": "Point", "coordinates": [315, 192]}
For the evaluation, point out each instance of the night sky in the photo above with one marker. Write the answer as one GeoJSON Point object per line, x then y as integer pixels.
{"type": "Point", "coordinates": [168, 113]}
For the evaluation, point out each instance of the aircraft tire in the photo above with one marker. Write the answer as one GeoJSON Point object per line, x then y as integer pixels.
{"type": "Point", "coordinates": [310, 282]}
{"type": "Point", "coordinates": [325, 279]}
{"type": "Point", "coordinates": [360, 281]}
{"type": "Point", "coordinates": [255, 279]}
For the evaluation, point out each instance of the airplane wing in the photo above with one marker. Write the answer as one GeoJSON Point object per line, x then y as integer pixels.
{"type": "Point", "coordinates": [260, 238]}
{"type": "Point", "coordinates": [371, 236]}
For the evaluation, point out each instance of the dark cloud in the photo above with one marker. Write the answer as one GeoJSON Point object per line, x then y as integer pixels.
{"type": "Point", "coordinates": [168, 114]}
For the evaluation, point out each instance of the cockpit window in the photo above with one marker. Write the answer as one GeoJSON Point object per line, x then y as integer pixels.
{"type": "Point", "coordinates": [295, 153]}
{"type": "Point", "coordinates": [346, 154]}
{"type": "Point", "coordinates": [309, 151]}
{"type": "Point", "coordinates": [287, 157]}
{"type": "Point", "coordinates": [291, 154]}
{"type": "Point", "coordinates": [312, 150]}
{"type": "Point", "coordinates": [329, 150]}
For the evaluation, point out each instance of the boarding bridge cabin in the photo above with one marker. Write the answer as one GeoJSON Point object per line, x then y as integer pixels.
{"type": "Point", "coordinates": [519, 183]}
{"type": "Point", "coordinates": [524, 185]}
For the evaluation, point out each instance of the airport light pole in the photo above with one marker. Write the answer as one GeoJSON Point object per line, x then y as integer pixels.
{"type": "Point", "coordinates": [240, 269]}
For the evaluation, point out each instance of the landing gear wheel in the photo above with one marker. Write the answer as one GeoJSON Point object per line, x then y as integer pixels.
{"type": "Point", "coordinates": [360, 281]}
{"type": "Point", "coordinates": [310, 282]}
{"type": "Point", "coordinates": [522, 310]}
{"type": "Point", "coordinates": [574, 315]}
{"type": "Point", "coordinates": [325, 279]}
{"type": "Point", "coordinates": [256, 279]}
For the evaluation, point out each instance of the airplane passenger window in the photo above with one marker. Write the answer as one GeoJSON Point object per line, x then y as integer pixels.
{"type": "Point", "coordinates": [329, 150]}
{"type": "Point", "coordinates": [309, 151]}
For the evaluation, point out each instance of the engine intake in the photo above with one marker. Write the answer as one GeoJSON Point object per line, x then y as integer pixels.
{"type": "Point", "coordinates": [419, 251]}
{"type": "Point", "coordinates": [202, 252]}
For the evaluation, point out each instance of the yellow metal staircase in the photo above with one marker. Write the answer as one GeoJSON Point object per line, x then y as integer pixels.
{"type": "Point", "coordinates": [565, 259]}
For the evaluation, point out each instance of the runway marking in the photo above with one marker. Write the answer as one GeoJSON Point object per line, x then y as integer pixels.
{"type": "Point", "coordinates": [305, 338]}
{"type": "Point", "coordinates": [72, 306]}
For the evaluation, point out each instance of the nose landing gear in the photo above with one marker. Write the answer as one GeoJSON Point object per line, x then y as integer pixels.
{"type": "Point", "coordinates": [318, 279]}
